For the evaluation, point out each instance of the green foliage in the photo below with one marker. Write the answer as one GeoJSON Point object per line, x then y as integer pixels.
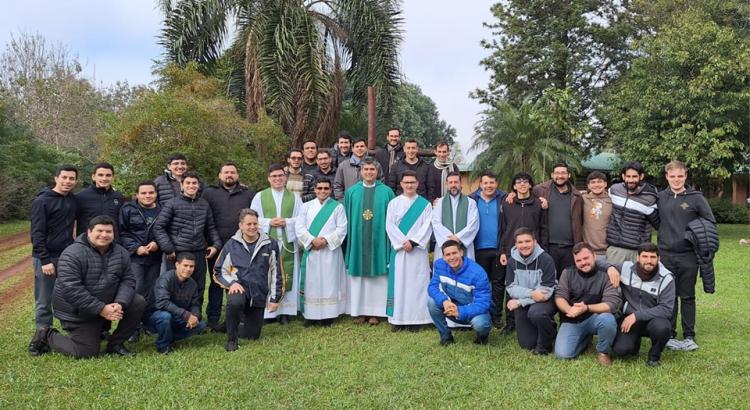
{"type": "Point", "coordinates": [727, 212]}
{"type": "Point", "coordinates": [531, 137]}
{"type": "Point", "coordinates": [189, 115]}
{"type": "Point", "coordinates": [686, 96]}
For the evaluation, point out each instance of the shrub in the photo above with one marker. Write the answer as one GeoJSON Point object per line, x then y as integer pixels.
{"type": "Point", "coordinates": [727, 212]}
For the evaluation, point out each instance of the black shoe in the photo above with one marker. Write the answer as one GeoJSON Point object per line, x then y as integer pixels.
{"type": "Point", "coordinates": [497, 323]}
{"type": "Point", "coordinates": [415, 328]}
{"type": "Point", "coordinates": [104, 335]}
{"type": "Point", "coordinates": [463, 328]}
{"type": "Point", "coordinates": [507, 330]}
{"type": "Point", "coordinates": [283, 319]}
{"type": "Point", "coordinates": [540, 352]}
{"type": "Point", "coordinates": [38, 345]}
{"type": "Point", "coordinates": [165, 350]}
{"type": "Point", "coordinates": [135, 337]}
{"type": "Point", "coordinates": [217, 327]}
{"type": "Point", "coordinates": [326, 322]}
{"type": "Point", "coordinates": [397, 328]}
{"type": "Point", "coordinates": [445, 341]}
{"type": "Point", "coordinates": [119, 350]}
{"type": "Point", "coordinates": [653, 363]}
{"type": "Point", "coordinates": [481, 340]}
{"type": "Point", "coordinates": [309, 323]}
{"type": "Point", "coordinates": [231, 346]}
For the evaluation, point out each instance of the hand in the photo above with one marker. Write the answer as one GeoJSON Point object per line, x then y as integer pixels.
{"type": "Point", "coordinates": [141, 251]}
{"type": "Point", "coordinates": [152, 247]}
{"type": "Point", "coordinates": [236, 288]}
{"type": "Point", "coordinates": [503, 259]}
{"type": "Point", "coordinates": [278, 222]}
{"type": "Point", "coordinates": [319, 243]}
{"type": "Point", "coordinates": [211, 251]}
{"type": "Point", "coordinates": [539, 295]}
{"type": "Point", "coordinates": [577, 309]}
{"type": "Point", "coordinates": [272, 307]}
{"type": "Point", "coordinates": [112, 312]}
{"type": "Point", "coordinates": [171, 256]}
{"type": "Point", "coordinates": [510, 197]}
{"type": "Point", "coordinates": [614, 276]}
{"type": "Point", "coordinates": [513, 304]}
{"type": "Point", "coordinates": [450, 309]}
{"type": "Point", "coordinates": [543, 202]}
{"type": "Point", "coordinates": [192, 322]}
{"type": "Point", "coordinates": [48, 269]}
{"type": "Point", "coordinates": [628, 323]}
{"type": "Point", "coordinates": [407, 246]}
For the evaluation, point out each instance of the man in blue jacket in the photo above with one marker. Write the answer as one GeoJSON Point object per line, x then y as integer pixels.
{"type": "Point", "coordinates": [459, 290]}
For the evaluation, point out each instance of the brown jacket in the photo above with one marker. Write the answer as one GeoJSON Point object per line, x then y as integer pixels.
{"type": "Point", "coordinates": [576, 209]}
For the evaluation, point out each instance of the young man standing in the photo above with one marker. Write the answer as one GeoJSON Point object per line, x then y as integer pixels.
{"type": "Point", "coordinates": [392, 153]}
{"type": "Point", "coordinates": [296, 178]}
{"type": "Point", "coordinates": [408, 225]}
{"type": "Point", "coordinates": [597, 208]}
{"type": "Point", "coordinates": [53, 216]}
{"type": "Point", "coordinates": [309, 156]}
{"type": "Point", "coordinates": [349, 172]}
{"type": "Point", "coordinates": [169, 184]}
{"type": "Point", "coordinates": [249, 267]}
{"type": "Point", "coordinates": [455, 217]}
{"type": "Point", "coordinates": [99, 198]}
{"type": "Point", "coordinates": [343, 149]}
{"type": "Point", "coordinates": [437, 174]}
{"type": "Point", "coordinates": [410, 162]}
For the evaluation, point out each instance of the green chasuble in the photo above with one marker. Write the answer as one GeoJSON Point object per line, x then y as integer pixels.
{"type": "Point", "coordinates": [287, 248]}
{"type": "Point", "coordinates": [462, 210]}
{"type": "Point", "coordinates": [368, 246]}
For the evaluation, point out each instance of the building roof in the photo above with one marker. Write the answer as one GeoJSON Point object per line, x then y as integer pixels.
{"type": "Point", "coordinates": [604, 161]}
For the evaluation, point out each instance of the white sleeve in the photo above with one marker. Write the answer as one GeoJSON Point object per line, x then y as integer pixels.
{"type": "Point", "coordinates": [300, 228]}
{"type": "Point", "coordinates": [391, 227]}
{"type": "Point", "coordinates": [263, 222]}
{"type": "Point", "coordinates": [441, 232]}
{"type": "Point", "coordinates": [336, 237]}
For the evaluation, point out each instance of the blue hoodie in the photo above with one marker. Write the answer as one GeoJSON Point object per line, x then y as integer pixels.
{"type": "Point", "coordinates": [468, 288]}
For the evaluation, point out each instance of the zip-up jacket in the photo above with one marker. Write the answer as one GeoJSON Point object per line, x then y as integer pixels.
{"type": "Point", "coordinates": [259, 271]}
{"type": "Point", "coordinates": [633, 214]}
{"type": "Point", "coordinates": [524, 275]}
{"type": "Point", "coordinates": [468, 288]}
{"type": "Point", "coordinates": [383, 157]}
{"type": "Point", "coordinates": [186, 224]}
{"type": "Point", "coordinates": [500, 198]}
{"type": "Point", "coordinates": [434, 181]}
{"type": "Point", "coordinates": [420, 167]}
{"type": "Point", "coordinates": [590, 288]}
{"type": "Point", "coordinates": [168, 187]}
{"type": "Point", "coordinates": [675, 211]}
{"type": "Point", "coordinates": [703, 236]}
{"type": "Point", "coordinates": [347, 174]}
{"type": "Point", "coordinates": [181, 299]}
{"type": "Point", "coordinates": [522, 213]}
{"type": "Point", "coordinates": [93, 201]}
{"type": "Point", "coordinates": [88, 280]}
{"type": "Point", "coordinates": [53, 217]}
{"type": "Point", "coordinates": [647, 299]}
{"type": "Point", "coordinates": [576, 210]}
{"type": "Point", "coordinates": [135, 232]}
{"type": "Point", "coordinates": [226, 207]}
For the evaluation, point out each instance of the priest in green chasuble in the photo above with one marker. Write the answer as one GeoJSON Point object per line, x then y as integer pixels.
{"type": "Point", "coordinates": [368, 247]}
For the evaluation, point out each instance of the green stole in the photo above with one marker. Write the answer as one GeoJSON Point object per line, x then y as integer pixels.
{"type": "Point", "coordinates": [367, 243]}
{"type": "Point", "coordinates": [447, 213]}
{"type": "Point", "coordinates": [287, 249]}
{"type": "Point", "coordinates": [407, 222]}
{"type": "Point", "coordinates": [317, 225]}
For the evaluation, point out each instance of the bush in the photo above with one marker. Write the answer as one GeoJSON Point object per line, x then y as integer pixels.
{"type": "Point", "coordinates": [727, 212]}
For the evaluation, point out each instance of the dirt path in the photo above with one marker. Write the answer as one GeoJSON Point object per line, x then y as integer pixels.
{"type": "Point", "coordinates": [15, 292]}
{"type": "Point", "coordinates": [20, 266]}
{"type": "Point", "coordinates": [14, 241]}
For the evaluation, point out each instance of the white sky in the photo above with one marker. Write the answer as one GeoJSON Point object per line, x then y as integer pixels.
{"type": "Point", "coordinates": [116, 39]}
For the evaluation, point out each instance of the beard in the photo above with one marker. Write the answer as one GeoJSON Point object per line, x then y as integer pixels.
{"type": "Point", "coordinates": [454, 191]}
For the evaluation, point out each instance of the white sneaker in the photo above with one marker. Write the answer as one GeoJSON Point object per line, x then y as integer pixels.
{"type": "Point", "coordinates": [689, 345]}
{"type": "Point", "coordinates": [674, 344]}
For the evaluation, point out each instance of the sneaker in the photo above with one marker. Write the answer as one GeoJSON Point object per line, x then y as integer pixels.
{"type": "Point", "coordinates": [231, 346]}
{"type": "Point", "coordinates": [538, 351]}
{"type": "Point", "coordinates": [689, 345]}
{"type": "Point", "coordinates": [497, 323]}
{"type": "Point", "coordinates": [674, 344]}
{"type": "Point", "coordinates": [507, 330]}
{"type": "Point", "coordinates": [165, 350]}
{"type": "Point", "coordinates": [38, 345]}
{"type": "Point", "coordinates": [119, 350]}
{"type": "Point", "coordinates": [445, 341]}
{"type": "Point", "coordinates": [653, 363]}
{"type": "Point", "coordinates": [217, 327]}
{"type": "Point", "coordinates": [481, 340]}
{"type": "Point", "coordinates": [135, 337]}
{"type": "Point", "coordinates": [604, 359]}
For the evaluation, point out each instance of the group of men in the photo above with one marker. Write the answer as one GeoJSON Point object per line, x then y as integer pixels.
{"type": "Point", "coordinates": [350, 231]}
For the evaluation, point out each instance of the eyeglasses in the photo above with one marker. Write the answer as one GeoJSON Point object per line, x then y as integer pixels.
{"type": "Point", "coordinates": [296, 158]}
{"type": "Point", "coordinates": [276, 176]}
{"type": "Point", "coordinates": [323, 188]}
{"type": "Point", "coordinates": [409, 182]}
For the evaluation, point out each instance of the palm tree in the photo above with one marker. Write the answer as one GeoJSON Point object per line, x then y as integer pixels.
{"type": "Point", "coordinates": [290, 58]}
{"type": "Point", "coordinates": [514, 139]}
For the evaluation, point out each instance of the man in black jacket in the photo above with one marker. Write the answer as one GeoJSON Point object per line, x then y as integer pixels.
{"type": "Point", "coordinates": [99, 198]}
{"type": "Point", "coordinates": [53, 215]}
{"type": "Point", "coordinates": [169, 184]}
{"type": "Point", "coordinates": [226, 200]}
{"type": "Point", "coordinates": [678, 205]}
{"type": "Point", "coordinates": [389, 155]}
{"type": "Point", "coordinates": [410, 162]}
{"type": "Point", "coordinates": [176, 311]}
{"type": "Point", "coordinates": [437, 173]}
{"type": "Point", "coordinates": [186, 224]}
{"type": "Point", "coordinates": [95, 285]}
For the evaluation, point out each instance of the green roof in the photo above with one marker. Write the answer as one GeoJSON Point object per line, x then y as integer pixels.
{"type": "Point", "coordinates": [604, 161]}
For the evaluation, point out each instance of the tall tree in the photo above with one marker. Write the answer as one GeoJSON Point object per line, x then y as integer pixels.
{"type": "Point", "coordinates": [292, 56]}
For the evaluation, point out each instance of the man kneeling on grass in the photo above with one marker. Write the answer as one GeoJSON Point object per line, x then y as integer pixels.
{"type": "Point", "coordinates": [177, 305]}
{"type": "Point", "coordinates": [459, 290]}
{"type": "Point", "coordinates": [94, 285]}
{"type": "Point", "coordinates": [249, 267]}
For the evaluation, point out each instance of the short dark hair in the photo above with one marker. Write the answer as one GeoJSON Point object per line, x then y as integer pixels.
{"type": "Point", "coordinates": [451, 242]}
{"type": "Point", "coordinates": [368, 161]}
{"type": "Point", "coordinates": [323, 151]}
{"type": "Point", "coordinates": [289, 154]}
{"type": "Point", "coordinates": [175, 157]}
{"type": "Point", "coordinates": [105, 165]}
{"type": "Point", "coordinates": [521, 175]}
{"type": "Point", "coordinates": [144, 183]}
{"type": "Point", "coordinates": [648, 247]}
{"type": "Point", "coordinates": [394, 129]}
{"type": "Point", "coordinates": [66, 168]}
{"type": "Point", "coordinates": [345, 135]}
{"type": "Point", "coordinates": [323, 180]}
{"type": "Point", "coordinates": [310, 140]}
{"type": "Point", "coordinates": [275, 167]}
{"type": "Point", "coordinates": [561, 164]}
{"type": "Point", "coordinates": [411, 141]}
{"type": "Point", "coordinates": [181, 256]}
{"type": "Point", "coordinates": [581, 246]}
{"type": "Point", "coordinates": [523, 231]}
{"type": "Point", "coordinates": [596, 175]}
{"type": "Point", "coordinates": [228, 164]}
{"type": "Point", "coordinates": [453, 174]}
{"type": "Point", "coordinates": [408, 173]}
{"type": "Point", "coordinates": [247, 211]}
{"type": "Point", "coordinates": [191, 174]}
{"type": "Point", "coordinates": [357, 140]}
{"type": "Point", "coordinates": [442, 143]}
{"type": "Point", "coordinates": [634, 165]}
{"type": "Point", "coordinates": [101, 220]}
{"type": "Point", "coordinates": [487, 174]}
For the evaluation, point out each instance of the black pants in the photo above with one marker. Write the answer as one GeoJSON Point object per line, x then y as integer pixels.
{"type": "Point", "coordinates": [84, 338]}
{"type": "Point", "coordinates": [684, 268]}
{"type": "Point", "coordinates": [238, 307]}
{"type": "Point", "coordinates": [658, 330]}
{"type": "Point", "coordinates": [536, 327]}
{"type": "Point", "coordinates": [488, 259]}
{"type": "Point", "coordinates": [199, 274]}
{"type": "Point", "coordinates": [215, 294]}
{"type": "Point", "coordinates": [562, 255]}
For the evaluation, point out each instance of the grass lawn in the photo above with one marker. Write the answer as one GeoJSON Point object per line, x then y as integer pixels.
{"type": "Point", "coordinates": [370, 367]}
{"type": "Point", "coordinates": [9, 228]}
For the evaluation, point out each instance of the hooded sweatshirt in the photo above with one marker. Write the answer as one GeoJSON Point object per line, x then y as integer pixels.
{"type": "Point", "coordinates": [527, 274]}
{"type": "Point", "coordinates": [53, 217]}
{"type": "Point", "coordinates": [675, 212]}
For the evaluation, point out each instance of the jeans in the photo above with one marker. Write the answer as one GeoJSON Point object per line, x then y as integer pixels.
{"type": "Point", "coordinates": [684, 268]}
{"type": "Point", "coordinates": [572, 337]}
{"type": "Point", "coordinates": [43, 287]}
{"type": "Point", "coordinates": [535, 326]}
{"type": "Point", "coordinates": [199, 274]}
{"type": "Point", "coordinates": [658, 330]}
{"type": "Point", "coordinates": [170, 328]}
{"type": "Point", "coordinates": [480, 323]}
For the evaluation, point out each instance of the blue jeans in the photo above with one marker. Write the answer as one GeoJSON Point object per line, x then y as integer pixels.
{"type": "Point", "coordinates": [573, 337]}
{"type": "Point", "coordinates": [43, 287]}
{"type": "Point", "coordinates": [171, 328]}
{"type": "Point", "coordinates": [480, 323]}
